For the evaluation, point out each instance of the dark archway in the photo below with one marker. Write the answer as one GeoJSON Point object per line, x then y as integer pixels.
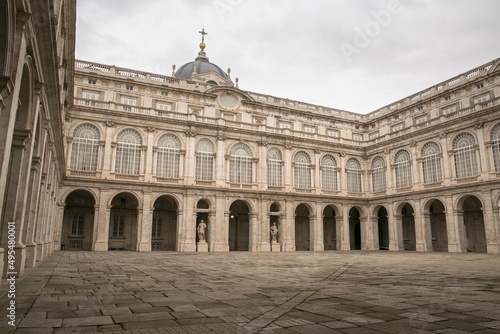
{"type": "Point", "coordinates": [354, 229]}
{"type": "Point", "coordinates": [474, 225]}
{"type": "Point", "coordinates": [438, 227]}
{"type": "Point", "coordinates": [239, 226]}
{"type": "Point", "coordinates": [408, 222]}
{"type": "Point", "coordinates": [164, 225]}
{"type": "Point", "coordinates": [78, 221]}
{"type": "Point", "coordinates": [302, 230]}
{"type": "Point", "coordinates": [123, 227]}
{"type": "Point", "coordinates": [329, 229]}
{"type": "Point", "coordinates": [383, 229]}
{"type": "Point", "coordinates": [202, 214]}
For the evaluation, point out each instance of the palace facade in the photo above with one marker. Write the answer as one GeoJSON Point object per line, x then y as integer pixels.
{"type": "Point", "coordinates": [108, 158]}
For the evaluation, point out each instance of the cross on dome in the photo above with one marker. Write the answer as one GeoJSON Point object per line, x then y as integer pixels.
{"type": "Point", "coordinates": [203, 33]}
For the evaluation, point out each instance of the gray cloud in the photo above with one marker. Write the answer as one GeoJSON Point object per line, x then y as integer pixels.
{"type": "Point", "coordinates": [292, 48]}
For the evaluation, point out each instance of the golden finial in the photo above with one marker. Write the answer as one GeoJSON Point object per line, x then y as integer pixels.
{"type": "Point", "coordinates": [202, 44]}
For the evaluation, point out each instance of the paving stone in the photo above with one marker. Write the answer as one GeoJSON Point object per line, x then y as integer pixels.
{"type": "Point", "coordinates": [88, 321]}
{"type": "Point", "coordinates": [119, 318]}
{"type": "Point", "coordinates": [40, 323]}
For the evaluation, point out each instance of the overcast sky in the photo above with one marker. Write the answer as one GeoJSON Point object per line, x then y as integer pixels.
{"type": "Point", "coordinates": [356, 55]}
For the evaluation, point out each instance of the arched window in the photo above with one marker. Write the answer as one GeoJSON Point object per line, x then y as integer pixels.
{"type": "Point", "coordinates": [128, 152]}
{"type": "Point", "coordinates": [302, 170]}
{"type": "Point", "coordinates": [329, 172]}
{"type": "Point", "coordinates": [205, 159]}
{"type": "Point", "coordinates": [168, 157]}
{"type": "Point", "coordinates": [274, 169]}
{"type": "Point", "coordinates": [465, 155]}
{"type": "Point", "coordinates": [402, 168]}
{"type": "Point", "coordinates": [353, 171]}
{"type": "Point", "coordinates": [431, 162]}
{"type": "Point", "coordinates": [495, 146]}
{"type": "Point", "coordinates": [240, 164]}
{"type": "Point", "coordinates": [85, 147]}
{"type": "Point", "coordinates": [378, 174]}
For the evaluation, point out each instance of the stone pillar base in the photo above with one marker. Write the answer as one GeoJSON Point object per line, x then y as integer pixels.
{"type": "Point", "coordinates": [287, 247]}
{"type": "Point", "coordinates": [453, 248]}
{"type": "Point", "coordinates": [40, 246]}
{"type": "Point", "coordinates": [275, 247]}
{"type": "Point", "coordinates": [30, 255]}
{"type": "Point", "coordinates": [144, 247]}
{"type": "Point", "coordinates": [422, 247]}
{"type": "Point", "coordinates": [492, 248]}
{"type": "Point", "coordinates": [220, 247]}
{"type": "Point", "coordinates": [101, 246]}
{"type": "Point", "coordinates": [394, 247]}
{"type": "Point", "coordinates": [202, 247]}
{"type": "Point", "coordinates": [265, 247]}
{"type": "Point", "coordinates": [187, 247]}
{"type": "Point", "coordinates": [345, 246]}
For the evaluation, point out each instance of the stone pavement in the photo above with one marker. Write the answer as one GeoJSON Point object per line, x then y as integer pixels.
{"type": "Point", "coordinates": [242, 292]}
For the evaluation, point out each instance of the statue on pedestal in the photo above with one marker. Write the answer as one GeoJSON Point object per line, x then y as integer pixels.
{"type": "Point", "coordinates": [274, 233]}
{"type": "Point", "coordinates": [201, 231]}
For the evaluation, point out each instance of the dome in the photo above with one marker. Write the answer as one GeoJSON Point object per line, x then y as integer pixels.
{"type": "Point", "coordinates": [201, 65]}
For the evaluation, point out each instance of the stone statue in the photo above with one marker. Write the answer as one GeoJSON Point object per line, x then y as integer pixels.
{"type": "Point", "coordinates": [274, 233]}
{"type": "Point", "coordinates": [201, 231]}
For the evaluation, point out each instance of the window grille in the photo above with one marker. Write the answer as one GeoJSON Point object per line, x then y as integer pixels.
{"type": "Point", "coordinates": [402, 167]}
{"type": "Point", "coordinates": [204, 159]}
{"type": "Point", "coordinates": [274, 167]}
{"type": "Point", "coordinates": [85, 147]}
{"type": "Point", "coordinates": [240, 164]}
{"type": "Point", "coordinates": [118, 225]}
{"type": "Point", "coordinates": [353, 171]}
{"type": "Point", "coordinates": [302, 170]}
{"type": "Point", "coordinates": [75, 244]}
{"type": "Point", "coordinates": [156, 232]}
{"type": "Point", "coordinates": [128, 152]}
{"type": "Point", "coordinates": [156, 246]}
{"type": "Point", "coordinates": [431, 162]}
{"type": "Point", "coordinates": [495, 146]}
{"type": "Point", "coordinates": [329, 173]}
{"type": "Point", "coordinates": [168, 156]}
{"type": "Point", "coordinates": [379, 182]}
{"type": "Point", "coordinates": [465, 155]}
{"type": "Point", "coordinates": [77, 225]}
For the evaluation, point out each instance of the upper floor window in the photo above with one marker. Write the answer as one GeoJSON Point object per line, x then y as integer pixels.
{"type": "Point", "coordinates": [285, 125]}
{"type": "Point", "coordinates": [353, 172]}
{"type": "Point", "coordinates": [378, 174]}
{"type": "Point", "coordinates": [302, 170]}
{"type": "Point", "coordinates": [357, 137]}
{"type": "Point", "coordinates": [129, 102]}
{"type": "Point", "coordinates": [464, 152]}
{"type": "Point", "coordinates": [431, 162]}
{"type": "Point", "coordinates": [481, 99]}
{"type": "Point", "coordinates": [129, 87]}
{"type": "Point", "coordinates": [495, 146]}
{"type": "Point", "coordinates": [397, 127]}
{"type": "Point", "coordinates": [85, 147]}
{"type": "Point", "coordinates": [77, 225]}
{"type": "Point", "coordinates": [402, 168]}
{"type": "Point", "coordinates": [329, 172]}
{"type": "Point", "coordinates": [240, 164]}
{"type": "Point", "coordinates": [128, 152]}
{"type": "Point", "coordinates": [168, 157]}
{"type": "Point", "coordinates": [205, 159]}
{"type": "Point", "coordinates": [333, 133]}
{"type": "Point", "coordinates": [274, 167]}
{"type": "Point", "coordinates": [92, 81]}
{"type": "Point", "coordinates": [164, 106]}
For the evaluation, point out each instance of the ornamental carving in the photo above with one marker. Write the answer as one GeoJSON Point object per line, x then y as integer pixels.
{"type": "Point", "coordinates": [221, 137]}
{"type": "Point", "coordinates": [191, 133]}
{"type": "Point", "coordinates": [151, 129]}
{"type": "Point", "coordinates": [110, 124]}
{"type": "Point", "coordinates": [317, 151]}
{"type": "Point", "coordinates": [288, 147]}
{"type": "Point", "coordinates": [443, 135]}
{"type": "Point", "coordinates": [479, 125]}
{"type": "Point", "coordinates": [263, 143]}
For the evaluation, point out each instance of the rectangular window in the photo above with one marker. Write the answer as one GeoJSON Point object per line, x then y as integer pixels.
{"type": "Point", "coordinates": [448, 110]}
{"type": "Point", "coordinates": [129, 87]}
{"type": "Point", "coordinates": [92, 81]}
{"type": "Point", "coordinates": [156, 233]}
{"type": "Point", "coordinates": [75, 244]}
{"type": "Point", "coordinates": [421, 120]}
{"type": "Point", "coordinates": [482, 99]}
{"type": "Point", "coordinates": [285, 125]}
{"type": "Point", "coordinates": [373, 135]}
{"type": "Point", "coordinates": [164, 106]}
{"type": "Point", "coordinates": [357, 137]}
{"type": "Point", "coordinates": [333, 133]}
{"type": "Point", "coordinates": [164, 93]}
{"type": "Point", "coordinates": [308, 129]}
{"type": "Point", "coordinates": [118, 225]}
{"type": "Point", "coordinates": [90, 96]}
{"type": "Point", "coordinates": [156, 246]}
{"type": "Point", "coordinates": [128, 102]}
{"type": "Point", "coordinates": [397, 128]}
{"type": "Point", "coordinates": [77, 225]}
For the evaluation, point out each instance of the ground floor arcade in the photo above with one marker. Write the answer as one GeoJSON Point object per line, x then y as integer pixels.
{"type": "Point", "coordinates": [115, 219]}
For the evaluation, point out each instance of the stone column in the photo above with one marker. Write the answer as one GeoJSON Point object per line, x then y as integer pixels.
{"type": "Point", "coordinates": [264, 226]}
{"type": "Point", "coordinates": [389, 172]}
{"type": "Point", "coordinates": [108, 155]}
{"type": "Point", "coordinates": [371, 232]}
{"type": "Point", "coordinates": [288, 168]}
{"type": "Point", "coordinates": [253, 241]}
{"type": "Point", "coordinates": [262, 166]}
{"type": "Point", "coordinates": [145, 224]}
{"type": "Point", "coordinates": [221, 226]}
{"type": "Point", "coordinates": [220, 165]}
{"type": "Point", "coordinates": [482, 158]}
{"type": "Point", "coordinates": [452, 229]}
{"type": "Point", "coordinates": [102, 222]}
{"type": "Point", "coordinates": [190, 165]}
{"type": "Point", "coordinates": [288, 228]}
{"type": "Point", "coordinates": [148, 168]}
{"type": "Point", "coordinates": [415, 168]}
{"type": "Point", "coordinates": [489, 225]}
{"type": "Point", "coordinates": [446, 168]}
{"type": "Point", "coordinates": [317, 229]}
{"type": "Point", "coordinates": [187, 225]}
{"type": "Point", "coordinates": [317, 177]}
{"type": "Point", "coordinates": [211, 229]}
{"type": "Point", "coordinates": [393, 230]}
{"type": "Point", "coordinates": [343, 177]}
{"type": "Point", "coordinates": [422, 230]}
{"type": "Point", "coordinates": [346, 240]}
